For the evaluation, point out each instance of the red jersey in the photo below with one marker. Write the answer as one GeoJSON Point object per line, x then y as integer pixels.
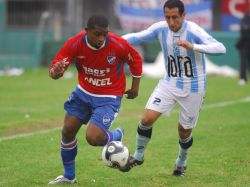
{"type": "Point", "coordinates": [101, 71]}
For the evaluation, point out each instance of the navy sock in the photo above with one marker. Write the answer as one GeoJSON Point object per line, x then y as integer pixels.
{"type": "Point", "coordinates": [68, 154]}
{"type": "Point", "coordinates": [115, 135]}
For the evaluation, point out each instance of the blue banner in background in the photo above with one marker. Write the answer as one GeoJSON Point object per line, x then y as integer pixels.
{"type": "Point", "coordinates": [138, 15]}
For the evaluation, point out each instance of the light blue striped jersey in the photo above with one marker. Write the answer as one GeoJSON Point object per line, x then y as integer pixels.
{"type": "Point", "coordinates": [185, 69]}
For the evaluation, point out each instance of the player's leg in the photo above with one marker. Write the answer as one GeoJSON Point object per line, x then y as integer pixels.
{"type": "Point", "coordinates": [243, 66]}
{"type": "Point", "coordinates": [68, 150]}
{"type": "Point", "coordinates": [69, 145]}
{"type": "Point", "coordinates": [144, 132]}
{"type": "Point", "coordinates": [78, 113]}
{"type": "Point", "coordinates": [97, 136]}
{"type": "Point", "coordinates": [189, 113]}
{"type": "Point", "coordinates": [185, 143]}
{"type": "Point", "coordinates": [143, 136]}
{"type": "Point", "coordinates": [248, 64]}
{"type": "Point", "coordinates": [160, 102]}
{"type": "Point", "coordinates": [104, 113]}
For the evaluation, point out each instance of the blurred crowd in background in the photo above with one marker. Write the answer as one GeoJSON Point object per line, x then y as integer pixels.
{"type": "Point", "coordinates": [32, 30]}
{"type": "Point", "coordinates": [128, 15]}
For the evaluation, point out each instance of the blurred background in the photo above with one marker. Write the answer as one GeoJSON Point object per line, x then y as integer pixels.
{"type": "Point", "coordinates": [32, 31]}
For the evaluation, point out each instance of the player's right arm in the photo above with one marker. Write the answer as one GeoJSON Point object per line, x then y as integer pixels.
{"type": "Point", "coordinates": [151, 33]}
{"type": "Point", "coordinates": [58, 69]}
{"type": "Point", "coordinates": [63, 58]}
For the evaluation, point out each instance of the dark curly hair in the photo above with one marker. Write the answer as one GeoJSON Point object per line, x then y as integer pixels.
{"type": "Point", "coordinates": [97, 20]}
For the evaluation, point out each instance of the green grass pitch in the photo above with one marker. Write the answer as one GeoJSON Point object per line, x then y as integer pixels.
{"type": "Point", "coordinates": [31, 115]}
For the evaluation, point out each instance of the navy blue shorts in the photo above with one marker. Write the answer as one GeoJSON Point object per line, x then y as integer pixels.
{"type": "Point", "coordinates": [100, 111]}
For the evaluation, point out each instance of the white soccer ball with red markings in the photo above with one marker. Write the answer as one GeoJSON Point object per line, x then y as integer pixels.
{"type": "Point", "coordinates": [115, 154]}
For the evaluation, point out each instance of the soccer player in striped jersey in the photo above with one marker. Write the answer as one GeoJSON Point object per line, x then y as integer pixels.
{"type": "Point", "coordinates": [99, 57]}
{"type": "Point", "coordinates": [184, 45]}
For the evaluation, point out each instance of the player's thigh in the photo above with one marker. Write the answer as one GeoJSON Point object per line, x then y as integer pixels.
{"type": "Point", "coordinates": [190, 107]}
{"type": "Point", "coordinates": [149, 117]}
{"type": "Point", "coordinates": [77, 106]}
{"type": "Point", "coordinates": [104, 115]}
{"type": "Point", "coordinates": [95, 135]}
{"type": "Point", "coordinates": [161, 100]}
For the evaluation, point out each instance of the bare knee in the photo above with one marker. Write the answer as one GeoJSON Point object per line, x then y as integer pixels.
{"type": "Point", "coordinates": [70, 128]}
{"type": "Point", "coordinates": [149, 117]}
{"type": "Point", "coordinates": [94, 140]}
{"type": "Point", "coordinates": [67, 134]}
{"type": "Point", "coordinates": [147, 121]}
{"type": "Point", "coordinates": [184, 133]}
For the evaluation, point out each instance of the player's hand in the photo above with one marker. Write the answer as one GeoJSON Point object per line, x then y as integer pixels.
{"type": "Point", "coordinates": [131, 94]}
{"type": "Point", "coordinates": [185, 44]}
{"type": "Point", "coordinates": [58, 70]}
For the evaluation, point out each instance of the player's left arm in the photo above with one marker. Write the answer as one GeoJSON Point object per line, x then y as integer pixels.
{"type": "Point", "coordinates": [134, 90]}
{"type": "Point", "coordinates": [134, 60]}
{"type": "Point", "coordinates": [185, 44]}
{"type": "Point", "coordinates": [202, 42]}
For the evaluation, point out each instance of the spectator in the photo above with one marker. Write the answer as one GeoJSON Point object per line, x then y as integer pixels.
{"type": "Point", "coordinates": [243, 45]}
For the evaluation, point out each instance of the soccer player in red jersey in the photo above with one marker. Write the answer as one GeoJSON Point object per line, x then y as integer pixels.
{"type": "Point", "coordinates": [99, 57]}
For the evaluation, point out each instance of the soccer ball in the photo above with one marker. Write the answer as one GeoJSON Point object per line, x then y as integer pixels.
{"type": "Point", "coordinates": [115, 154]}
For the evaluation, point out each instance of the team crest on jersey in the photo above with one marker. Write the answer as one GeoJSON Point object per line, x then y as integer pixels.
{"type": "Point", "coordinates": [111, 59]}
{"type": "Point", "coordinates": [106, 119]}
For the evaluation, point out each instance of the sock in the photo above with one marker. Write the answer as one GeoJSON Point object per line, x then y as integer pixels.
{"type": "Point", "coordinates": [143, 137]}
{"type": "Point", "coordinates": [184, 148]}
{"type": "Point", "coordinates": [68, 154]}
{"type": "Point", "coordinates": [115, 135]}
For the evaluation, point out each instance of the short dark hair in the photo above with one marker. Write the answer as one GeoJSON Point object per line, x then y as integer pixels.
{"type": "Point", "coordinates": [174, 4]}
{"type": "Point", "coordinates": [97, 20]}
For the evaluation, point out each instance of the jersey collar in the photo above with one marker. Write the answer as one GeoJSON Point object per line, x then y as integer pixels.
{"type": "Point", "coordinates": [93, 48]}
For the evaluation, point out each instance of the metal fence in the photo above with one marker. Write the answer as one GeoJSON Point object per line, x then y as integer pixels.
{"type": "Point", "coordinates": [56, 15]}
{"type": "Point", "coordinates": [70, 14]}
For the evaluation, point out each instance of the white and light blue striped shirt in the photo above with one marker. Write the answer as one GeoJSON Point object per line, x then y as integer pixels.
{"type": "Point", "coordinates": [185, 69]}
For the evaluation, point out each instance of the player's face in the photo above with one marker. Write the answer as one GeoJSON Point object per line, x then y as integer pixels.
{"type": "Point", "coordinates": [97, 36]}
{"type": "Point", "coordinates": [174, 19]}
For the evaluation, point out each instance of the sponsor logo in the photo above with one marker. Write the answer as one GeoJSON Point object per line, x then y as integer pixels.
{"type": "Point", "coordinates": [130, 57]}
{"type": "Point", "coordinates": [140, 147]}
{"type": "Point", "coordinates": [98, 82]}
{"type": "Point", "coordinates": [157, 101]}
{"type": "Point", "coordinates": [190, 119]}
{"type": "Point", "coordinates": [180, 66]}
{"type": "Point", "coordinates": [111, 149]}
{"type": "Point", "coordinates": [95, 72]}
